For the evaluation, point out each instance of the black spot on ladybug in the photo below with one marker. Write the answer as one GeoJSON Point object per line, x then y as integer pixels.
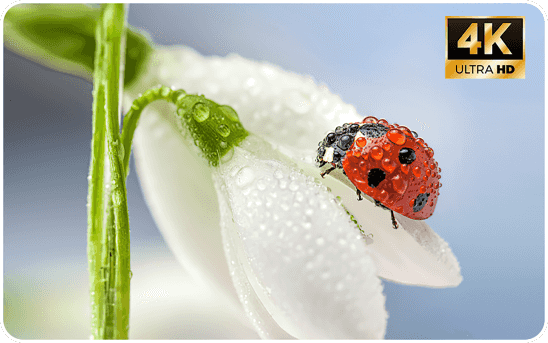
{"type": "Point", "coordinates": [340, 130]}
{"type": "Point", "coordinates": [370, 130]}
{"type": "Point", "coordinates": [374, 177]}
{"type": "Point", "coordinates": [330, 138]}
{"type": "Point", "coordinates": [345, 142]}
{"type": "Point", "coordinates": [420, 201]}
{"type": "Point", "coordinates": [407, 156]}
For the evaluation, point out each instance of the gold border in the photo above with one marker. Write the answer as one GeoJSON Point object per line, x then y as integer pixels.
{"type": "Point", "coordinates": [452, 65]}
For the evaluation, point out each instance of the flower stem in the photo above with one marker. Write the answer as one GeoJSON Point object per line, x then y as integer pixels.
{"type": "Point", "coordinates": [108, 245]}
{"type": "Point", "coordinates": [215, 129]}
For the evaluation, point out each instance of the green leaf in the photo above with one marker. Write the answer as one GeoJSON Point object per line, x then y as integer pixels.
{"type": "Point", "coordinates": [62, 37]}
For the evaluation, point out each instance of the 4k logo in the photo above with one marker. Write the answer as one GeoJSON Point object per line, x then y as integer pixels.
{"type": "Point", "coordinates": [485, 47]}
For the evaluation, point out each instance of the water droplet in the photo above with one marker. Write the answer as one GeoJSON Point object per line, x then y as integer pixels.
{"type": "Point", "coordinates": [223, 144]}
{"type": "Point", "coordinates": [165, 91]}
{"type": "Point", "coordinates": [405, 168]}
{"type": "Point", "coordinates": [89, 177]}
{"type": "Point", "coordinates": [261, 185]}
{"type": "Point", "coordinates": [293, 186]}
{"type": "Point", "coordinates": [422, 189]}
{"type": "Point", "coordinates": [396, 136]}
{"type": "Point", "coordinates": [428, 172]}
{"type": "Point", "coordinates": [245, 176]}
{"type": "Point", "coordinates": [417, 171]}
{"type": "Point", "coordinates": [387, 147]}
{"type": "Point", "coordinates": [229, 112]}
{"type": "Point", "coordinates": [223, 130]}
{"type": "Point", "coordinates": [370, 119]}
{"type": "Point", "coordinates": [383, 122]}
{"type": "Point", "coordinates": [399, 184]}
{"type": "Point", "coordinates": [376, 153]}
{"type": "Point", "coordinates": [361, 142]}
{"type": "Point", "coordinates": [278, 174]}
{"type": "Point", "coordinates": [388, 165]}
{"type": "Point", "coordinates": [200, 112]}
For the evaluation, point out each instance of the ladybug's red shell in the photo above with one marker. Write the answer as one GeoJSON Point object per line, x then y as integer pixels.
{"type": "Point", "coordinates": [409, 189]}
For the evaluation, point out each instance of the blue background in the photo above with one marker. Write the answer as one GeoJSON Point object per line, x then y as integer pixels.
{"type": "Point", "coordinates": [386, 60]}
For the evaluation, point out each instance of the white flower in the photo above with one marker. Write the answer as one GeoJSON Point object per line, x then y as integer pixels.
{"type": "Point", "coordinates": [299, 265]}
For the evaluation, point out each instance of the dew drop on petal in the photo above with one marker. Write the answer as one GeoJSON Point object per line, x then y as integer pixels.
{"type": "Point", "coordinates": [245, 176]}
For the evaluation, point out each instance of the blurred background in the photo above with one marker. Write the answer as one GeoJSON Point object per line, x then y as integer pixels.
{"type": "Point", "coordinates": [386, 60]}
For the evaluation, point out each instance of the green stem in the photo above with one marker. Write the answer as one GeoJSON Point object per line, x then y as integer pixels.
{"type": "Point", "coordinates": [109, 255]}
{"type": "Point", "coordinates": [213, 128]}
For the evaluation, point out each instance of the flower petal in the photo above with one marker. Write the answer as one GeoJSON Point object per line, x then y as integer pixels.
{"type": "Point", "coordinates": [413, 254]}
{"type": "Point", "coordinates": [182, 199]}
{"type": "Point", "coordinates": [302, 255]}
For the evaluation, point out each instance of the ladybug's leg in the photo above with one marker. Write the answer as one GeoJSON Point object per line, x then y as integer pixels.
{"type": "Point", "coordinates": [359, 193]}
{"type": "Point", "coordinates": [394, 223]}
{"type": "Point", "coordinates": [327, 171]}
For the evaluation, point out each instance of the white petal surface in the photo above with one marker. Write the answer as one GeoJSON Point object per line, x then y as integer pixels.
{"type": "Point", "coordinates": [180, 194]}
{"type": "Point", "coordinates": [413, 254]}
{"type": "Point", "coordinates": [304, 258]}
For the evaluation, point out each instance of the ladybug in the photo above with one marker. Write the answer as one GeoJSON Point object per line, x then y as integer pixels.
{"type": "Point", "coordinates": [387, 162]}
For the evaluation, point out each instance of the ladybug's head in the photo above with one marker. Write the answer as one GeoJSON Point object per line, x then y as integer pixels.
{"type": "Point", "coordinates": [333, 147]}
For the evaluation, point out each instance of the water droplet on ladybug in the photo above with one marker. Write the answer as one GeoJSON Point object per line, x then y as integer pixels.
{"type": "Point", "coordinates": [383, 122]}
{"type": "Point", "coordinates": [422, 189]}
{"type": "Point", "coordinates": [386, 147]}
{"type": "Point", "coordinates": [345, 142]}
{"type": "Point", "coordinates": [396, 136]}
{"type": "Point", "coordinates": [432, 166]}
{"type": "Point", "coordinates": [417, 171]}
{"type": "Point", "coordinates": [330, 138]}
{"type": "Point", "coordinates": [376, 153]}
{"type": "Point", "coordinates": [382, 196]}
{"type": "Point", "coordinates": [388, 165]}
{"type": "Point", "coordinates": [421, 142]}
{"type": "Point", "coordinates": [399, 184]}
{"type": "Point", "coordinates": [357, 153]}
{"type": "Point", "coordinates": [405, 168]}
{"type": "Point", "coordinates": [430, 152]}
{"type": "Point", "coordinates": [361, 142]}
{"type": "Point", "coordinates": [370, 119]}
{"type": "Point", "coordinates": [406, 131]}
{"type": "Point", "coordinates": [425, 178]}
{"type": "Point", "coordinates": [398, 209]}
{"type": "Point", "coordinates": [428, 172]}
{"type": "Point", "coordinates": [436, 185]}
